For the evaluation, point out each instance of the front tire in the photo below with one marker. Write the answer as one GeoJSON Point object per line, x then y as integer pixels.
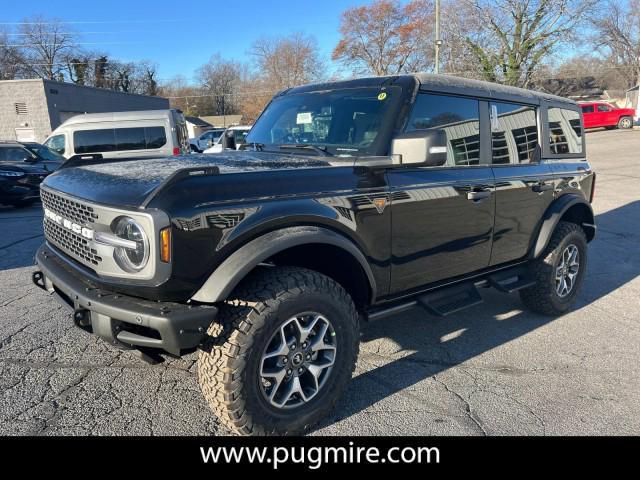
{"type": "Point", "coordinates": [558, 272]}
{"type": "Point", "coordinates": [284, 328]}
{"type": "Point", "coordinates": [625, 123]}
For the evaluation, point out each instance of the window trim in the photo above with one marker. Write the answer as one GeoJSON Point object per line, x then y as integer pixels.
{"type": "Point", "coordinates": [546, 145]}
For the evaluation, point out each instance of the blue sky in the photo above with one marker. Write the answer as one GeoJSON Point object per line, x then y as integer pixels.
{"type": "Point", "coordinates": [181, 35]}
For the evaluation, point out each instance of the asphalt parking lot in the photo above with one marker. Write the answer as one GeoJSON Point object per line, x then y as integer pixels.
{"type": "Point", "coordinates": [493, 370]}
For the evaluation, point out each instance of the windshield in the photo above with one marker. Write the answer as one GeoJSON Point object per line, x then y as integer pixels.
{"type": "Point", "coordinates": [344, 122]}
{"type": "Point", "coordinates": [45, 153]}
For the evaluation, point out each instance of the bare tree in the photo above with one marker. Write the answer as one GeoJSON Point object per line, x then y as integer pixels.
{"type": "Point", "coordinates": [617, 38]}
{"type": "Point", "coordinates": [45, 44]}
{"type": "Point", "coordinates": [284, 62]}
{"type": "Point", "coordinates": [221, 81]}
{"type": "Point", "coordinates": [10, 57]}
{"type": "Point", "coordinates": [509, 39]}
{"type": "Point", "coordinates": [147, 73]}
{"type": "Point", "coordinates": [386, 37]}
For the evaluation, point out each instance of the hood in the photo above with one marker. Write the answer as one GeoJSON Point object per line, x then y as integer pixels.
{"type": "Point", "coordinates": [130, 182]}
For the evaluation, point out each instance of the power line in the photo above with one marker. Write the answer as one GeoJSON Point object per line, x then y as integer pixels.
{"type": "Point", "coordinates": [79, 33]}
{"type": "Point", "coordinates": [94, 22]}
{"type": "Point", "coordinates": [69, 45]}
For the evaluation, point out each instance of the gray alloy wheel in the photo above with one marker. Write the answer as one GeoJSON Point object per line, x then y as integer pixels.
{"type": "Point", "coordinates": [298, 360]}
{"type": "Point", "coordinates": [567, 270]}
{"type": "Point", "coordinates": [625, 122]}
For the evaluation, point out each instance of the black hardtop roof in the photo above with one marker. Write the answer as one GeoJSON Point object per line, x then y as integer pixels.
{"type": "Point", "coordinates": [445, 84]}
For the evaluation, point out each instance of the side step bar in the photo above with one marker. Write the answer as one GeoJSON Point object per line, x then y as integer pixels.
{"type": "Point", "coordinates": [448, 300]}
{"type": "Point", "coordinates": [511, 281]}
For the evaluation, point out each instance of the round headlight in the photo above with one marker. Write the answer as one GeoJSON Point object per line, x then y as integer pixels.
{"type": "Point", "coordinates": [131, 259]}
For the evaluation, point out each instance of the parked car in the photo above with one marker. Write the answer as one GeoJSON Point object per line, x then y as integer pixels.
{"type": "Point", "coordinates": [232, 138]}
{"type": "Point", "coordinates": [137, 134]}
{"type": "Point", "coordinates": [601, 114]}
{"type": "Point", "coordinates": [349, 201]}
{"type": "Point", "coordinates": [205, 140]}
{"type": "Point", "coordinates": [22, 167]}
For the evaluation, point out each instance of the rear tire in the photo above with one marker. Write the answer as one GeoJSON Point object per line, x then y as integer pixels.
{"type": "Point", "coordinates": [548, 296]}
{"type": "Point", "coordinates": [625, 123]}
{"type": "Point", "coordinates": [246, 342]}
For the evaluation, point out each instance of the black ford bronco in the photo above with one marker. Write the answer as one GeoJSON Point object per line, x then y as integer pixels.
{"type": "Point", "coordinates": [350, 201]}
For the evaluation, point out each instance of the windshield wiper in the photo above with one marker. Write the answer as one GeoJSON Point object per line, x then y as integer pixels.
{"type": "Point", "coordinates": [305, 146]}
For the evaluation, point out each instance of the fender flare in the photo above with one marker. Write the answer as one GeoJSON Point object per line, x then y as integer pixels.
{"type": "Point", "coordinates": [236, 266]}
{"type": "Point", "coordinates": [552, 217]}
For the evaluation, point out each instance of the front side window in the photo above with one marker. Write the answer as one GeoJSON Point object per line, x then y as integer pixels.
{"type": "Point", "coordinates": [458, 117]}
{"type": "Point", "coordinates": [239, 136]}
{"type": "Point", "coordinates": [604, 108]}
{"type": "Point", "coordinates": [565, 131]}
{"type": "Point", "coordinates": [514, 133]}
{"type": "Point", "coordinates": [56, 143]}
{"type": "Point", "coordinates": [342, 121]}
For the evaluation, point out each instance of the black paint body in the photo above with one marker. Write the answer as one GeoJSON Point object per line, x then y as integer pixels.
{"type": "Point", "coordinates": [414, 225]}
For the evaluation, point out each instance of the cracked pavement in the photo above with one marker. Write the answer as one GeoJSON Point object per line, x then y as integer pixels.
{"type": "Point", "coordinates": [491, 370]}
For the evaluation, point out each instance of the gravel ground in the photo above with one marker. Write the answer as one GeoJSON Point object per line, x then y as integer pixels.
{"type": "Point", "coordinates": [493, 370]}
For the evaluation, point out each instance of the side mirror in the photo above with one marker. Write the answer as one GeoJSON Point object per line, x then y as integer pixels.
{"type": "Point", "coordinates": [228, 141]}
{"type": "Point", "coordinates": [428, 148]}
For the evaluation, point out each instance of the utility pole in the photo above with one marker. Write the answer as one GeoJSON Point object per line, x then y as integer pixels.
{"type": "Point", "coordinates": [438, 40]}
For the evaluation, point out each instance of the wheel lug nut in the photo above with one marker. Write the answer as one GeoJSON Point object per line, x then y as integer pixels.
{"type": "Point", "coordinates": [308, 357]}
{"type": "Point", "coordinates": [289, 372]}
{"type": "Point", "coordinates": [293, 347]}
{"type": "Point", "coordinates": [300, 370]}
{"type": "Point", "coordinates": [285, 360]}
{"type": "Point", "coordinates": [304, 345]}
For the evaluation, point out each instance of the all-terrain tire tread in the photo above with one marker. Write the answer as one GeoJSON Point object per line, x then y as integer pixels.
{"type": "Point", "coordinates": [222, 360]}
{"type": "Point", "coordinates": [538, 297]}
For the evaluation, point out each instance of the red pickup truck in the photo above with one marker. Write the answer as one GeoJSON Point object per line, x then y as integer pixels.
{"type": "Point", "coordinates": [601, 114]}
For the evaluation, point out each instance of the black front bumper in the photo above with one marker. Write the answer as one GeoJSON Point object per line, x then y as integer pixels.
{"type": "Point", "coordinates": [122, 320]}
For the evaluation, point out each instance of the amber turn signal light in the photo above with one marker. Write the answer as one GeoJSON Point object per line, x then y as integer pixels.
{"type": "Point", "coordinates": [165, 244]}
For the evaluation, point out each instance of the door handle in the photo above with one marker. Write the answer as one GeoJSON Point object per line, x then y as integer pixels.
{"type": "Point", "coordinates": [478, 195]}
{"type": "Point", "coordinates": [542, 187]}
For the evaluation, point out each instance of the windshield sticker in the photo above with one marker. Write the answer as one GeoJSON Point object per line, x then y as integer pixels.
{"type": "Point", "coordinates": [382, 95]}
{"type": "Point", "coordinates": [304, 117]}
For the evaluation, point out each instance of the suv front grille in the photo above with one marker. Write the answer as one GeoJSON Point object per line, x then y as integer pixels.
{"type": "Point", "coordinates": [74, 245]}
{"type": "Point", "coordinates": [70, 243]}
{"type": "Point", "coordinates": [74, 211]}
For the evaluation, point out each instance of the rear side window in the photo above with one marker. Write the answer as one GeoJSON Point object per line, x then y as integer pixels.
{"type": "Point", "coordinates": [587, 109]}
{"type": "Point", "coordinates": [514, 133]}
{"type": "Point", "coordinates": [565, 131]}
{"type": "Point", "coordinates": [14, 154]}
{"type": "Point", "coordinates": [94, 141]}
{"type": "Point", "coordinates": [458, 117]}
{"type": "Point", "coordinates": [119, 139]}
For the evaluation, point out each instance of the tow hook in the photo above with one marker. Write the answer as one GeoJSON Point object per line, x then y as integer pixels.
{"type": "Point", "coordinates": [38, 280]}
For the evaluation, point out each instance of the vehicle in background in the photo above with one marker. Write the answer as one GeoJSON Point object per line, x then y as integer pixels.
{"type": "Point", "coordinates": [205, 140]}
{"type": "Point", "coordinates": [231, 139]}
{"type": "Point", "coordinates": [22, 167]}
{"type": "Point", "coordinates": [601, 114]}
{"type": "Point", "coordinates": [137, 134]}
